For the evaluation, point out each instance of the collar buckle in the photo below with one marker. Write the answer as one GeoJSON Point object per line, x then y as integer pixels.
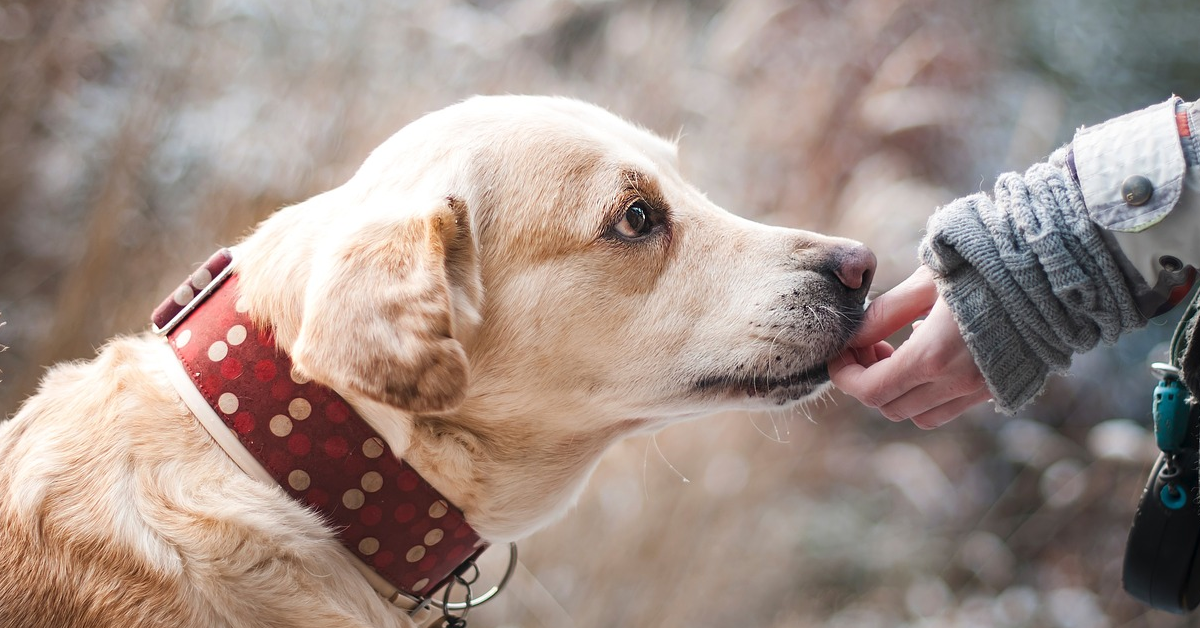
{"type": "Point", "coordinates": [191, 293]}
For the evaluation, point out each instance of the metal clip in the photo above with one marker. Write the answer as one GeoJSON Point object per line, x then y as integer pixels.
{"type": "Point", "coordinates": [454, 614]}
{"type": "Point", "coordinates": [491, 593]}
{"type": "Point", "coordinates": [1165, 370]}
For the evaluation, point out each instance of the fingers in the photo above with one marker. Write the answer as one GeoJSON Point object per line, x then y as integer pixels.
{"type": "Point", "coordinates": [949, 411]}
{"type": "Point", "coordinates": [868, 356]}
{"type": "Point", "coordinates": [928, 397]}
{"type": "Point", "coordinates": [896, 308]}
{"type": "Point", "coordinates": [861, 357]}
{"type": "Point", "coordinates": [931, 379]}
{"type": "Point", "coordinates": [879, 383]}
{"type": "Point", "coordinates": [883, 350]}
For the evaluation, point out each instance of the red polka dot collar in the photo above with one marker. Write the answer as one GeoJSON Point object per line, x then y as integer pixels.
{"type": "Point", "coordinates": [310, 441]}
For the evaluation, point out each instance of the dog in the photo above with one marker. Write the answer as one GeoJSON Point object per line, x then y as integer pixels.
{"type": "Point", "coordinates": [505, 288]}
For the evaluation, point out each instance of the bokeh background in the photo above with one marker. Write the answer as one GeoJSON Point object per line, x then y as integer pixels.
{"type": "Point", "coordinates": [138, 135]}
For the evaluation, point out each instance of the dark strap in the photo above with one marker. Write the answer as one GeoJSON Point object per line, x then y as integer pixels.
{"type": "Point", "coordinates": [1160, 555]}
{"type": "Point", "coordinates": [1185, 350]}
{"type": "Point", "coordinates": [1162, 561]}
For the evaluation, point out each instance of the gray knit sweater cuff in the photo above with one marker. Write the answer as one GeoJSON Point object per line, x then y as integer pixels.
{"type": "Point", "coordinates": [1029, 279]}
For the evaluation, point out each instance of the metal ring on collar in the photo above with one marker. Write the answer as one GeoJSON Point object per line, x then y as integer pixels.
{"type": "Point", "coordinates": [491, 593]}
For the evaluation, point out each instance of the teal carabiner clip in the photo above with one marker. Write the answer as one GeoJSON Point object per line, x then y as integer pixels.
{"type": "Point", "coordinates": [1170, 408]}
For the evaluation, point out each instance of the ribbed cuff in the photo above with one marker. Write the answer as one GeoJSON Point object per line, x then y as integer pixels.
{"type": "Point", "coordinates": [1014, 371]}
{"type": "Point", "coordinates": [1029, 279]}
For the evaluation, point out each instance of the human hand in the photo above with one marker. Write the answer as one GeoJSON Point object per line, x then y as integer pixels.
{"type": "Point", "coordinates": [931, 378]}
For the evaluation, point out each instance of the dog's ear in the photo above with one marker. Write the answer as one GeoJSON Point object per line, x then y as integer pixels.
{"type": "Point", "coordinates": [383, 312]}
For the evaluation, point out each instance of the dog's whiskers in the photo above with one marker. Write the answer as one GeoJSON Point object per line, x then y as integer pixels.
{"type": "Point", "coordinates": [776, 438]}
{"type": "Point", "coordinates": [654, 439]}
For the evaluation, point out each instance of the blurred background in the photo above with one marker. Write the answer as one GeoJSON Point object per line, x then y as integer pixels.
{"type": "Point", "coordinates": [136, 136]}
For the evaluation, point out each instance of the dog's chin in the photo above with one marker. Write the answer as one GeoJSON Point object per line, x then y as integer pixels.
{"type": "Point", "coordinates": [768, 385]}
{"type": "Point", "coordinates": [767, 389]}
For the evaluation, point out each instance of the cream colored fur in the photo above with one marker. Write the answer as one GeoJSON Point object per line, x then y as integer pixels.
{"type": "Point", "coordinates": [466, 291]}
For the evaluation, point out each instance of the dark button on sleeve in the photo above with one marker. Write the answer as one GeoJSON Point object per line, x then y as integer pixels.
{"type": "Point", "coordinates": [1136, 190]}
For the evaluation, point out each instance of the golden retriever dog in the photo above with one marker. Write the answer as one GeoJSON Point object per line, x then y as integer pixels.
{"type": "Point", "coordinates": [504, 289]}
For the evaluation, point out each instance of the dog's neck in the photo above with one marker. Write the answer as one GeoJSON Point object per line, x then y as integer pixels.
{"type": "Point", "coordinates": [509, 474]}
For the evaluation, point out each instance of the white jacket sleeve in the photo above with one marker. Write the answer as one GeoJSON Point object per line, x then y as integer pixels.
{"type": "Point", "coordinates": [1140, 179]}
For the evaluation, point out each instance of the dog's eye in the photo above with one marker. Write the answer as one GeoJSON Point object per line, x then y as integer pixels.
{"type": "Point", "coordinates": [636, 223]}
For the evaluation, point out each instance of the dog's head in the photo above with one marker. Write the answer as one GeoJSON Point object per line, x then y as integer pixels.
{"type": "Point", "coordinates": [526, 254]}
{"type": "Point", "coordinates": [508, 286]}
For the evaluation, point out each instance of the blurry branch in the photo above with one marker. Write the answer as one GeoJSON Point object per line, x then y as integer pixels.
{"type": "Point", "coordinates": [116, 194]}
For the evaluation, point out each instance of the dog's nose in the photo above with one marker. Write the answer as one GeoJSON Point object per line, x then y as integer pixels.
{"type": "Point", "coordinates": [854, 266]}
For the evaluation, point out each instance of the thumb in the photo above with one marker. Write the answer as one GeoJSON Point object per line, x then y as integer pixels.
{"type": "Point", "coordinates": [896, 308]}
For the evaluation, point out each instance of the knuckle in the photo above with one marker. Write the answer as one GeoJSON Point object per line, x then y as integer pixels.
{"type": "Point", "coordinates": [929, 367]}
{"type": "Point", "coordinates": [841, 377]}
{"type": "Point", "coordinates": [872, 400]}
{"type": "Point", "coordinates": [962, 385]}
{"type": "Point", "coordinates": [926, 421]}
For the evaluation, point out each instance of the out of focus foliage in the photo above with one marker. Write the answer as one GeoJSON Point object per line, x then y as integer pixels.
{"type": "Point", "coordinates": [138, 135]}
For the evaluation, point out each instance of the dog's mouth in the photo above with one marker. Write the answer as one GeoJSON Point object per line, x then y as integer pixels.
{"type": "Point", "coordinates": [783, 376]}
{"type": "Point", "coordinates": [781, 388]}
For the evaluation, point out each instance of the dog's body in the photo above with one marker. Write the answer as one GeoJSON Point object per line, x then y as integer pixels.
{"type": "Point", "coordinates": [504, 289]}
